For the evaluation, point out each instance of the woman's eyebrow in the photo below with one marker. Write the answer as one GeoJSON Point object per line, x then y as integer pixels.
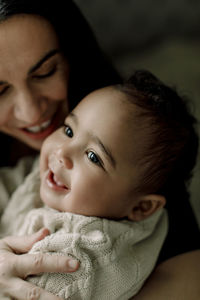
{"type": "Point", "coordinates": [43, 59]}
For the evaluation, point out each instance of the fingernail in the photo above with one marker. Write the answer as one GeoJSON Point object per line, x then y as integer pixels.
{"type": "Point", "coordinates": [45, 231]}
{"type": "Point", "coordinates": [72, 263]}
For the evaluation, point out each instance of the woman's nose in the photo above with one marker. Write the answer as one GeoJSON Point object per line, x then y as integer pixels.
{"type": "Point", "coordinates": [28, 108]}
{"type": "Point", "coordinates": [64, 158]}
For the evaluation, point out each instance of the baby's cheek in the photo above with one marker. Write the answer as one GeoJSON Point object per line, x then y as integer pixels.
{"type": "Point", "coordinates": [43, 158]}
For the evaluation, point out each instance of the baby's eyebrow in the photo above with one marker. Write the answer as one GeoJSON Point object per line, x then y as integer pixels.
{"type": "Point", "coordinates": [106, 151]}
{"type": "Point", "coordinates": [73, 116]}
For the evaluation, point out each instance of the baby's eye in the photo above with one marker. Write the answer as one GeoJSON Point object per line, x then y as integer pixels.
{"type": "Point", "coordinates": [68, 131]}
{"type": "Point", "coordinates": [94, 158]}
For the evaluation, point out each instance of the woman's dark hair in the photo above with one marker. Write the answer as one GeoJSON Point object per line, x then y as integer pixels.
{"type": "Point", "coordinates": [89, 67]}
{"type": "Point", "coordinates": [170, 154]}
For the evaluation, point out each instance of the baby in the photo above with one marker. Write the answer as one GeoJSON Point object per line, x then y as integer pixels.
{"type": "Point", "coordinates": [103, 182]}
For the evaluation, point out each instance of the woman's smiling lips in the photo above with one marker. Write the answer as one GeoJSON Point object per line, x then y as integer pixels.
{"type": "Point", "coordinates": [39, 128]}
{"type": "Point", "coordinates": [44, 129]}
{"type": "Point", "coordinates": [53, 182]}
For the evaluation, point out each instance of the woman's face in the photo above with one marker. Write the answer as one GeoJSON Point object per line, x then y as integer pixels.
{"type": "Point", "coordinates": [33, 79]}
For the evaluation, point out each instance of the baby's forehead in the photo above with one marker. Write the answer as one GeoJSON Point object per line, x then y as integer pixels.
{"type": "Point", "coordinates": [110, 105]}
{"type": "Point", "coordinates": [114, 97]}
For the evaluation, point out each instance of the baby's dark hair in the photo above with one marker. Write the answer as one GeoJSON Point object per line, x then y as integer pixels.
{"type": "Point", "coordinates": [169, 135]}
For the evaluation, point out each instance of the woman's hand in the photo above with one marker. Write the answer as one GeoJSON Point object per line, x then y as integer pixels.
{"type": "Point", "coordinates": [16, 265]}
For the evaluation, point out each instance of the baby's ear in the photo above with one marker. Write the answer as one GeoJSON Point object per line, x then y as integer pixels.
{"type": "Point", "coordinates": [146, 206]}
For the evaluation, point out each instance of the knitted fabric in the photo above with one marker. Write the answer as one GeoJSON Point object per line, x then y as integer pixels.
{"type": "Point", "coordinates": [115, 257]}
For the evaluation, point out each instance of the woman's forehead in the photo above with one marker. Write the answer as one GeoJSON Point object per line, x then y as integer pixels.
{"type": "Point", "coordinates": [24, 40]}
{"type": "Point", "coordinates": [19, 29]}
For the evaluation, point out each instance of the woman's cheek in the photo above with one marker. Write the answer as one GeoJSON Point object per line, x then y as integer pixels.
{"type": "Point", "coordinates": [57, 91]}
{"type": "Point", "coordinates": [59, 87]}
{"type": "Point", "coordinates": [6, 118]}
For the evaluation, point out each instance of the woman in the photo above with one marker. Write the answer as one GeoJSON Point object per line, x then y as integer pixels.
{"type": "Point", "coordinates": [84, 68]}
{"type": "Point", "coordinates": [49, 60]}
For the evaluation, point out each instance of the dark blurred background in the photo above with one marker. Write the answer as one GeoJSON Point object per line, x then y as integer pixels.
{"type": "Point", "coordinates": [162, 36]}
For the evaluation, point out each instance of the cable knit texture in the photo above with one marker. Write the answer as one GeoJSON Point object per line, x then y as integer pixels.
{"type": "Point", "coordinates": [116, 256]}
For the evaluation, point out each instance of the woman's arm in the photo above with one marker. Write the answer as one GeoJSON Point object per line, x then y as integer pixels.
{"type": "Point", "coordinates": [177, 278]}
{"type": "Point", "coordinates": [16, 266]}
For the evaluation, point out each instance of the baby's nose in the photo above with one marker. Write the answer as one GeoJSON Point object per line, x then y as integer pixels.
{"type": "Point", "coordinates": [64, 159]}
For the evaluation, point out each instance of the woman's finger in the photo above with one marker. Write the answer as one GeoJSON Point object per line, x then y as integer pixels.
{"type": "Point", "coordinates": [32, 264]}
{"type": "Point", "coordinates": [14, 267]}
{"type": "Point", "coordinates": [22, 244]}
{"type": "Point", "coordinates": [22, 290]}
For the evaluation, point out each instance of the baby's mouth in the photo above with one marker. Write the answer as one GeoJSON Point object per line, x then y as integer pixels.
{"type": "Point", "coordinates": [54, 183]}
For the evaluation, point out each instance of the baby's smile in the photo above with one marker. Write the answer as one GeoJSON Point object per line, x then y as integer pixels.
{"type": "Point", "coordinates": [54, 183]}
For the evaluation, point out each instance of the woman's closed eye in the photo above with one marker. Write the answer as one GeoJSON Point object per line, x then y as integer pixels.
{"type": "Point", "coordinates": [3, 89]}
{"type": "Point", "coordinates": [45, 74]}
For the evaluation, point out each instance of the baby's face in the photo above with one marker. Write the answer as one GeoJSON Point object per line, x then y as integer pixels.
{"type": "Point", "coordinates": [86, 166]}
